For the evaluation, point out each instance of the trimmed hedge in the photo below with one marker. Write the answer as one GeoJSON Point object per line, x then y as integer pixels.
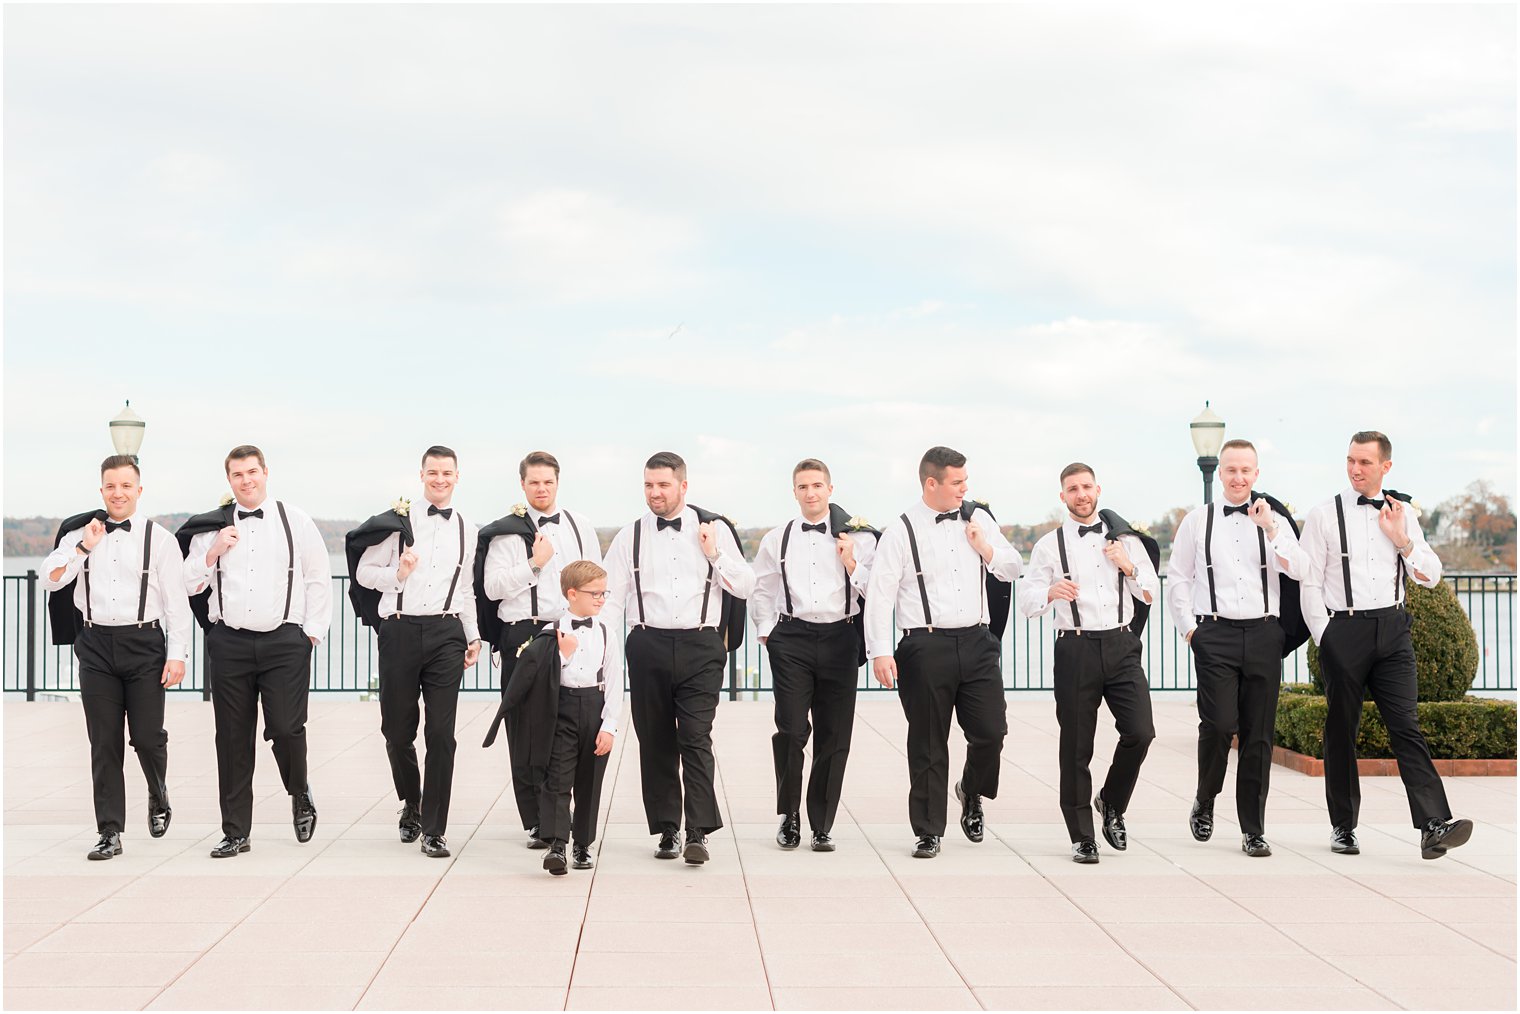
{"type": "Point", "coordinates": [1473, 728]}
{"type": "Point", "coordinates": [1445, 645]}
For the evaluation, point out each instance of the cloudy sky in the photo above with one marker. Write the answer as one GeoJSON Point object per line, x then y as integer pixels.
{"type": "Point", "coordinates": [753, 234]}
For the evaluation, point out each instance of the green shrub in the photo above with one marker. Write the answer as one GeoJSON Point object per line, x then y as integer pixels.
{"type": "Point", "coordinates": [1469, 729]}
{"type": "Point", "coordinates": [1445, 645]}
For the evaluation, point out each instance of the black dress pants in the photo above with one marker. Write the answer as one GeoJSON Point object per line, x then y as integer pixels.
{"type": "Point", "coordinates": [574, 768]}
{"type": "Point", "coordinates": [1239, 667]}
{"type": "Point", "coordinates": [674, 677]}
{"type": "Point", "coordinates": [814, 669]}
{"type": "Point", "coordinates": [119, 673]}
{"type": "Point", "coordinates": [1371, 652]}
{"type": "Point", "coordinates": [421, 656]}
{"type": "Point", "coordinates": [526, 778]}
{"type": "Point", "coordinates": [249, 666]}
{"type": "Point", "coordinates": [1091, 668]}
{"type": "Point", "coordinates": [940, 672]}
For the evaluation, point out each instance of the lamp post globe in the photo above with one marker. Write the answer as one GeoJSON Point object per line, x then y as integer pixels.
{"type": "Point", "coordinates": [1207, 430]}
{"type": "Point", "coordinates": [127, 431]}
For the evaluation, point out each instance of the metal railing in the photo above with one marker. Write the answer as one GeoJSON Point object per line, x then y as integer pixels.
{"type": "Point", "coordinates": [348, 660]}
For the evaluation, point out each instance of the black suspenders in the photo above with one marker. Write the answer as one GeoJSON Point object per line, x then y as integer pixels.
{"type": "Point", "coordinates": [290, 567]}
{"type": "Point", "coordinates": [601, 671]}
{"type": "Point", "coordinates": [1261, 542]}
{"type": "Point", "coordinates": [142, 591]}
{"type": "Point", "coordinates": [1076, 616]}
{"type": "Point", "coordinates": [449, 600]}
{"type": "Point", "coordinates": [580, 548]}
{"type": "Point", "coordinates": [918, 569]}
{"type": "Point", "coordinates": [580, 551]}
{"type": "Point", "coordinates": [1340, 519]}
{"type": "Point", "coordinates": [786, 537]}
{"type": "Point", "coordinates": [638, 585]}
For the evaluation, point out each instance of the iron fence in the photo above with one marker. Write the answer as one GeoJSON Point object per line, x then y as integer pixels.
{"type": "Point", "coordinates": [348, 660]}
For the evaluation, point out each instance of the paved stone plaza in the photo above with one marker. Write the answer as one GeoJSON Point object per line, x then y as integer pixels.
{"type": "Point", "coordinates": [357, 920]}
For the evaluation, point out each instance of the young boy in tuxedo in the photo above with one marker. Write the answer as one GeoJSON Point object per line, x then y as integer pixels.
{"type": "Point", "coordinates": [561, 688]}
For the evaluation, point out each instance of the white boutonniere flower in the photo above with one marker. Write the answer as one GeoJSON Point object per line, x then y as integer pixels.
{"type": "Point", "coordinates": [1289, 507]}
{"type": "Point", "coordinates": [520, 509]}
{"type": "Point", "coordinates": [225, 501]}
{"type": "Point", "coordinates": [857, 524]}
{"type": "Point", "coordinates": [1415, 508]}
{"type": "Point", "coordinates": [401, 505]}
{"type": "Point", "coordinates": [524, 646]}
{"type": "Point", "coordinates": [1141, 530]}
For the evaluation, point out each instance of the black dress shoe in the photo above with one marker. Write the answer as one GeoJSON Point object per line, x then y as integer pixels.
{"type": "Point", "coordinates": [108, 846]}
{"type": "Point", "coordinates": [534, 841]}
{"type": "Point", "coordinates": [1255, 846]}
{"type": "Point", "coordinates": [159, 815]}
{"type": "Point", "coordinates": [1084, 852]}
{"type": "Point", "coordinates": [822, 841]}
{"type": "Point", "coordinates": [1343, 840]}
{"type": "Point", "coordinates": [789, 835]}
{"type": "Point", "coordinates": [230, 846]}
{"type": "Point", "coordinates": [580, 857]}
{"type": "Point", "coordinates": [304, 812]}
{"type": "Point", "coordinates": [927, 846]}
{"type": "Point", "coordinates": [1201, 820]}
{"type": "Point", "coordinates": [1113, 825]}
{"type": "Point", "coordinates": [696, 852]}
{"type": "Point", "coordinates": [410, 823]}
{"type": "Point", "coordinates": [434, 846]}
{"type": "Point", "coordinates": [1440, 835]}
{"type": "Point", "coordinates": [971, 814]}
{"type": "Point", "coordinates": [554, 860]}
{"type": "Point", "coordinates": [669, 846]}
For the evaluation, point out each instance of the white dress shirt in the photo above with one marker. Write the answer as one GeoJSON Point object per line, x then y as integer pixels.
{"type": "Point", "coordinates": [1237, 567]}
{"type": "Point", "coordinates": [116, 581]}
{"type": "Point", "coordinates": [814, 575]}
{"type": "Point", "coordinates": [1103, 590]}
{"type": "Point", "coordinates": [1374, 561]}
{"type": "Point", "coordinates": [673, 574]}
{"type": "Point", "coordinates": [440, 568]}
{"type": "Point", "coordinates": [254, 573]}
{"type": "Point", "coordinates": [596, 648]}
{"type": "Point", "coordinates": [509, 574]}
{"type": "Point", "coordinates": [953, 575]}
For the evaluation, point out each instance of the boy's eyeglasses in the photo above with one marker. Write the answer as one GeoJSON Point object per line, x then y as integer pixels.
{"type": "Point", "coordinates": [594, 596]}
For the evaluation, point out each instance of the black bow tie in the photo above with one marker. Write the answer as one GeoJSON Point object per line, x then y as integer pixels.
{"type": "Point", "coordinates": [947, 516]}
{"type": "Point", "coordinates": [580, 623]}
{"type": "Point", "coordinates": [1084, 529]}
{"type": "Point", "coordinates": [548, 519]}
{"type": "Point", "coordinates": [447, 512]}
{"type": "Point", "coordinates": [819, 527]}
{"type": "Point", "coordinates": [1239, 509]}
{"type": "Point", "coordinates": [259, 513]}
{"type": "Point", "coordinates": [663, 523]}
{"type": "Point", "coordinates": [1362, 501]}
{"type": "Point", "coordinates": [125, 526]}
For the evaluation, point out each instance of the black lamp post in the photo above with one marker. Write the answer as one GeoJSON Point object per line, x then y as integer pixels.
{"type": "Point", "coordinates": [1208, 435]}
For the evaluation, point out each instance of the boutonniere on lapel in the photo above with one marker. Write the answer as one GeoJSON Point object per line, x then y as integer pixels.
{"type": "Point", "coordinates": [524, 646]}
{"type": "Point", "coordinates": [1292, 511]}
{"type": "Point", "coordinates": [857, 524]}
{"type": "Point", "coordinates": [520, 509]}
{"type": "Point", "coordinates": [225, 501]}
{"type": "Point", "coordinates": [401, 505]}
{"type": "Point", "coordinates": [1415, 508]}
{"type": "Point", "coordinates": [1141, 530]}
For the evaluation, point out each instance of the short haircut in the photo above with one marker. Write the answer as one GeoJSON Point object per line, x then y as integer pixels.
{"type": "Point", "coordinates": [120, 461]}
{"type": "Point", "coordinates": [667, 459]}
{"type": "Point", "coordinates": [1385, 446]}
{"type": "Point", "coordinates": [537, 458]}
{"type": "Point", "coordinates": [440, 451]}
{"type": "Point", "coordinates": [578, 575]}
{"type": "Point", "coordinates": [1074, 468]}
{"type": "Point", "coordinates": [812, 465]}
{"type": "Point", "coordinates": [1244, 445]}
{"type": "Point", "coordinates": [240, 452]}
{"type": "Point", "coordinates": [936, 460]}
